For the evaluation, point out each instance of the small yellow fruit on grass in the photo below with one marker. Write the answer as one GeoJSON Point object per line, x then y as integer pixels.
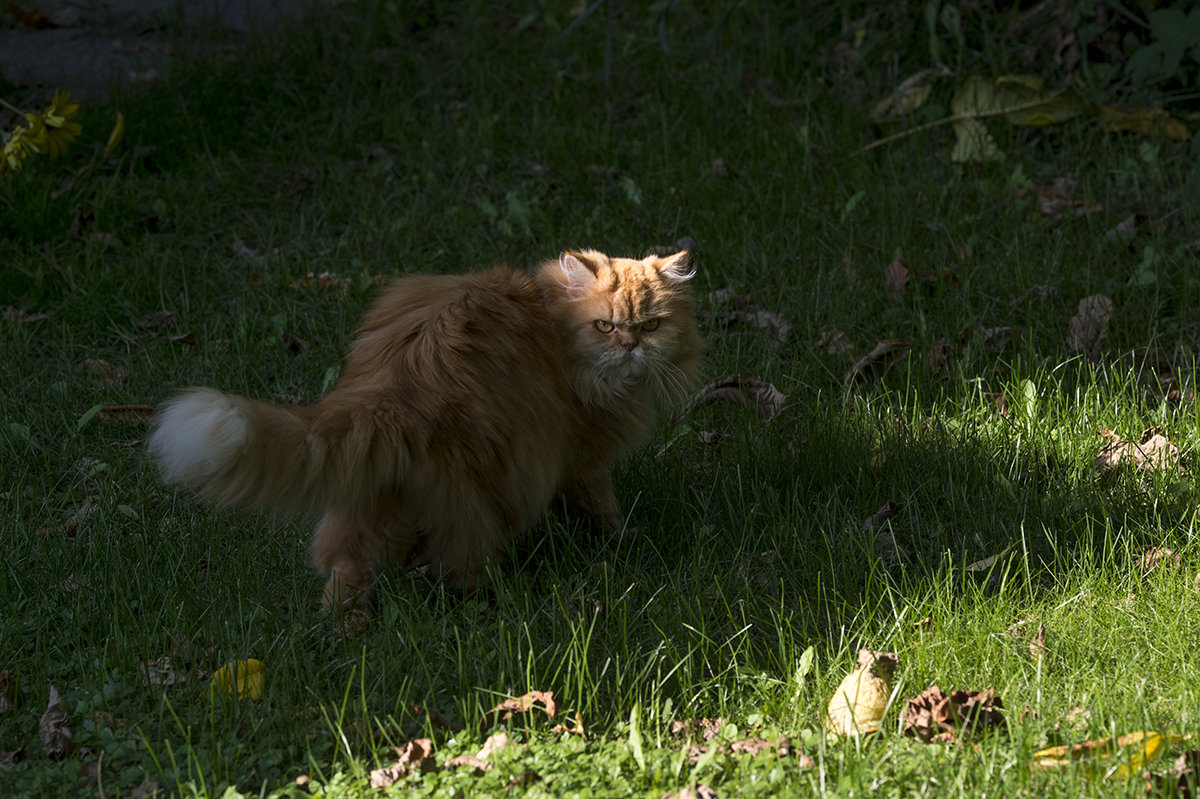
{"type": "Point", "coordinates": [858, 703]}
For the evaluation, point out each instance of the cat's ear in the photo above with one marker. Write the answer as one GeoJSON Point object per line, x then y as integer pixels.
{"type": "Point", "coordinates": [578, 277]}
{"type": "Point", "coordinates": [676, 267]}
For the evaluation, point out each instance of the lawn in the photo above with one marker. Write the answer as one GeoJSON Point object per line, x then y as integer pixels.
{"type": "Point", "coordinates": [972, 343]}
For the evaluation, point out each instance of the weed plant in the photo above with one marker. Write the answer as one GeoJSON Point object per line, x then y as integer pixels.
{"type": "Point", "coordinates": [371, 140]}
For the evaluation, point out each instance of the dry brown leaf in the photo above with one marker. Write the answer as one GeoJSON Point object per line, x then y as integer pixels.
{"type": "Point", "coordinates": [741, 390]}
{"type": "Point", "coordinates": [469, 760]}
{"type": "Point", "coordinates": [161, 672]}
{"type": "Point", "coordinates": [126, 414]}
{"type": "Point", "coordinates": [875, 362]}
{"type": "Point", "coordinates": [885, 512]}
{"type": "Point", "coordinates": [939, 353]}
{"type": "Point", "coordinates": [415, 756]}
{"type": "Point", "coordinates": [705, 728]}
{"type": "Point", "coordinates": [12, 314]}
{"type": "Point", "coordinates": [1152, 452]}
{"type": "Point", "coordinates": [934, 717]}
{"type": "Point", "coordinates": [752, 746]}
{"type": "Point", "coordinates": [576, 727]}
{"type": "Point", "coordinates": [1037, 647]}
{"type": "Point", "coordinates": [1156, 557]}
{"type": "Point", "coordinates": [98, 367]}
{"type": "Point", "coordinates": [147, 789]}
{"type": "Point", "coordinates": [10, 758]}
{"type": "Point", "coordinates": [492, 745]}
{"type": "Point", "coordinates": [71, 522]}
{"type": "Point", "coordinates": [835, 342]}
{"type": "Point", "coordinates": [1088, 328]}
{"type": "Point", "coordinates": [31, 18]}
{"type": "Point", "coordinates": [52, 728]}
{"type": "Point", "coordinates": [1058, 199]}
{"type": "Point", "coordinates": [898, 276]}
{"type": "Point", "coordinates": [520, 706]}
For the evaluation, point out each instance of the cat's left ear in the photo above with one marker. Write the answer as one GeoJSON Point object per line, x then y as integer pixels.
{"type": "Point", "coordinates": [578, 277]}
{"type": "Point", "coordinates": [676, 267]}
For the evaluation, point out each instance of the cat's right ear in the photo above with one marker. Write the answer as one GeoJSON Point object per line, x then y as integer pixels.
{"type": "Point", "coordinates": [577, 277]}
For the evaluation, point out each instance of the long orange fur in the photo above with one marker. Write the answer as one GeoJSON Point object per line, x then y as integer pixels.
{"type": "Point", "coordinates": [466, 405]}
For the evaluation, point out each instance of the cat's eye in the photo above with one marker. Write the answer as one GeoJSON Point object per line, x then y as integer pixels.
{"type": "Point", "coordinates": [604, 326]}
{"type": "Point", "coordinates": [650, 324]}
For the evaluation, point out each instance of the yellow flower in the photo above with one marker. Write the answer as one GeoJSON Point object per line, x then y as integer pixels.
{"type": "Point", "coordinates": [58, 127]}
{"type": "Point", "coordinates": [20, 147]}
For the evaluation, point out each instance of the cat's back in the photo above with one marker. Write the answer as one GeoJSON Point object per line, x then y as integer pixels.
{"type": "Point", "coordinates": [468, 328]}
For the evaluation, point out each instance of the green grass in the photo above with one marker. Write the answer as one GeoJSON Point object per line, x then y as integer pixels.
{"type": "Point", "coordinates": [412, 137]}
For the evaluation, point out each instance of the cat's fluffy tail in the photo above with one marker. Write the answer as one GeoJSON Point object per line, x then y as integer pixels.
{"type": "Point", "coordinates": [237, 451]}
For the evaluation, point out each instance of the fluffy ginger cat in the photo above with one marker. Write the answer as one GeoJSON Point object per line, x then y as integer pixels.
{"type": "Point", "coordinates": [467, 403]}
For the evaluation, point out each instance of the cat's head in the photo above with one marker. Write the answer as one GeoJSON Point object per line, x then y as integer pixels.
{"type": "Point", "coordinates": [630, 323]}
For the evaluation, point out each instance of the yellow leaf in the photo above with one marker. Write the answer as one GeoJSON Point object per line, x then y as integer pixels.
{"type": "Point", "coordinates": [1125, 756]}
{"type": "Point", "coordinates": [114, 138]}
{"type": "Point", "coordinates": [239, 679]}
{"type": "Point", "coordinates": [1144, 121]}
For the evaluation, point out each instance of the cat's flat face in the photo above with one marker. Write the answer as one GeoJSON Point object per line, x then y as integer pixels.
{"type": "Point", "coordinates": [632, 321]}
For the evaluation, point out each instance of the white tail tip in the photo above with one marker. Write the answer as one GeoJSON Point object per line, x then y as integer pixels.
{"type": "Point", "coordinates": [196, 434]}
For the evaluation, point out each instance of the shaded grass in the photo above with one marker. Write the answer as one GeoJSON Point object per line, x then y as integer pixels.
{"type": "Point", "coordinates": [376, 141]}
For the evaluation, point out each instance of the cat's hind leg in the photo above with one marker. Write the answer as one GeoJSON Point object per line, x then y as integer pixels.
{"type": "Point", "coordinates": [351, 548]}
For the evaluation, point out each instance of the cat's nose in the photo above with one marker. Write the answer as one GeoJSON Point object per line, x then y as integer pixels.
{"type": "Point", "coordinates": [629, 345]}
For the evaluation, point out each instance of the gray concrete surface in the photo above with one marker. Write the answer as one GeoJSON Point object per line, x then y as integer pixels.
{"type": "Point", "coordinates": [97, 44]}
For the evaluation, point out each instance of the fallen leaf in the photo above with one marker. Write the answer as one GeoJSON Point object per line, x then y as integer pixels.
{"type": "Point", "coordinates": [239, 679]}
{"type": "Point", "coordinates": [858, 704]}
{"type": "Point", "coordinates": [492, 745]}
{"type": "Point", "coordinates": [126, 414]}
{"type": "Point", "coordinates": [705, 728]}
{"type": "Point", "coordinates": [985, 564]}
{"type": "Point", "coordinates": [1037, 647]}
{"type": "Point", "coordinates": [147, 789]}
{"type": "Point", "coordinates": [1058, 200]}
{"type": "Point", "coordinates": [741, 390]}
{"type": "Point", "coordinates": [1088, 328]}
{"type": "Point", "coordinates": [12, 314]}
{"type": "Point", "coordinates": [576, 727]}
{"type": "Point", "coordinates": [1152, 452]}
{"type": "Point", "coordinates": [161, 672]}
{"type": "Point", "coordinates": [8, 758]}
{"type": "Point", "coordinates": [521, 706]}
{"type": "Point", "coordinates": [753, 746]}
{"type": "Point", "coordinates": [1127, 754]}
{"type": "Point", "coordinates": [899, 275]}
{"type": "Point", "coordinates": [1143, 121]}
{"type": "Point", "coordinates": [243, 250]}
{"type": "Point", "coordinates": [72, 522]}
{"type": "Point", "coordinates": [1021, 99]}
{"type": "Point", "coordinates": [111, 375]}
{"type": "Point", "coordinates": [875, 362]}
{"type": "Point", "coordinates": [935, 717]}
{"type": "Point", "coordinates": [474, 762]}
{"type": "Point", "coordinates": [52, 728]}
{"type": "Point", "coordinates": [415, 756]}
{"type": "Point", "coordinates": [885, 512]}
{"type": "Point", "coordinates": [31, 18]}
{"type": "Point", "coordinates": [835, 342]}
{"type": "Point", "coordinates": [1156, 557]}
{"type": "Point", "coordinates": [909, 95]}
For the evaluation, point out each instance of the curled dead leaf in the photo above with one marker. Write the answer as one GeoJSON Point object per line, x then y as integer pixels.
{"type": "Point", "coordinates": [1059, 200]}
{"type": "Point", "coordinates": [414, 757]}
{"type": "Point", "coordinates": [935, 717]}
{"type": "Point", "coordinates": [52, 728]}
{"type": "Point", "coordinates": [520, 706]}
{"type": "Point", "coordinates": [875, 362]}
{"type": "Point", "coordinates": [741, 390]}
{"type": "Point", "coordinates": [835, 342]}
{"type": "Point", "coordinates": [1156, 557]}
{"type": "Point", "coordinates": [1151, 452]}
{"type": "Point", "coordinates": [126, 414]}
{"type": "Point", "coordinates": [1088, 328]}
